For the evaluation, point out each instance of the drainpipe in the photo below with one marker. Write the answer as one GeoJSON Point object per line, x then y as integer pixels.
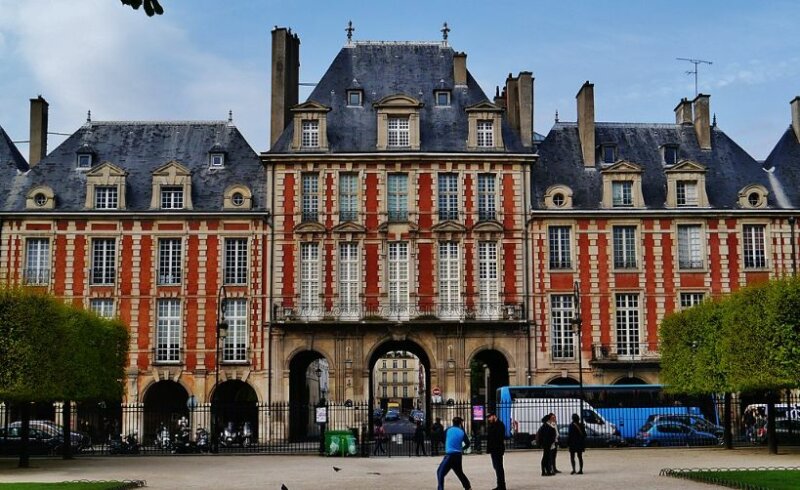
{"type": "Point", "coordinates": [271, 285]}
{"type": "Point", "coordinates": [526, 283]}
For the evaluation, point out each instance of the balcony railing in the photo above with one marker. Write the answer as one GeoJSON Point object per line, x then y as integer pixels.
{"type": "Point", "coordinates": [487, 214]}
{"type": "Point", "coordinates": [448, 214]}
{"type": "Point", "coordinates": [310, 216]}
{"type": "Point", "coordinates": [422, 311]}
{"type": "Point", "coordinates": [398, 215]}
{"type": "Point", "coordinates": [348, 215]}
{"type": "Point", "coordinates": [36, 277]}
{"type": "Point", "coordinates": [625, 351]}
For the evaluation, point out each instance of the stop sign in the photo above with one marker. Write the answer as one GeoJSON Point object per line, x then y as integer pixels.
{"type": "Point", "coordinates": [436, 391]}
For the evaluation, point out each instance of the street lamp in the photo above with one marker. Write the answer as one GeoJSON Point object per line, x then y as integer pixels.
{"type": "Point", "coordinates": [222, 333]}
{"type": "Point", "coordinates": [577, 322]}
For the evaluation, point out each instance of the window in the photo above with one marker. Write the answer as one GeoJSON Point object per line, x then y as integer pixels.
{"type": "Point", "coordinates": [627, 322]}
{"type": "Point", "coordinates": [384, 367]}
{"type": "Point", "coordinates": [170, 262]}
{"type": "Point", "coordinates": [103, 261]}
{"type": "Point", "coordinates": [383, 375]}
{"type": "Point", "coordinates": [405, 391]}
{"type": "Point", "coordinates": [398, 197]}
{"type": "Point", "coordinates": [690, 299]}
{"type": "Point", "coordinates": [394, 365]}
{"type": "Point", "coordinates": [561, 313]}
{"type": "Point", "coordinates": [686, 193]}
{"type": "Point", "coordinates": [622, 193]}
{"type": "Point", "coordinates": [168, 331]}
{"type": "Point", "coordinates": [488, 281]}
{"type": "Point", "coordinates": [217, 160]}
{"type": "Point", "coordinates": [486, 197]}
{"type": "Point", "coordinates": [625, 247]}
{"type": "Point", "coordinates": [449, 280]}
{"type": "Point", "coordinates": [405, 376]}
{"type": "Point", "coordinates": [384, 391]}
{"type": "Point", "coordinates": [398, 132]}
{"type": "Point", "coordinates": [84, 160]}
{"type": "Point", "coordinates": [394, 391]}
{"type": "Point", "coordinates": [105, 197]}
{"type": "Point", "coordinates": [560, 247]}
{"type": "Point", "coordinates": [310, 197]}
{"type": "Point", "coordinates": [102, 307]}
{"type": "Point", "coordinates": [609, 153]}
{"type": "Point", "coordinates": [310, 134]}
{"type": "Point", "coordinates": [755, 256]}
{"type": "Point", "coordinates": [235, 347]}
{"type": "Point", "coordinates": [40, 199]}
{"type": "Point", "coordinates": [309, 280]}
{"type": "Point", "coordinates": [485, 133]}
{"type": "Point", "coordinates": [398, 280]}
{"type": "Point", "coordinates": [37, 261]}
{"type": "Point", "coordinates": [405, 365]}
{"type": "Point", "coordinates": [754, 198]}
{"type": "Point", "coordinates": [559, 200]}
{"type": "Point", "coordinates": [690, 251]}
{"type": "Point", "coordinates": [172, 198]}
{"type": "Point", "coordinates": [442, 98]}
{"type": "Point", "coordinates": [237, 199]}
{"type": "Point", "coordinates": [348, 197]}
{"type": "Point", "coordinates": [349, 280]}
{"type": "Point", "coordinates": [448, 197]}
{"type": "Point", "coordinates": [354, 98]}
{"type": "Point", "coordinates": [670, 154]}
{"type": "Point", "coordinates": [235, 261]}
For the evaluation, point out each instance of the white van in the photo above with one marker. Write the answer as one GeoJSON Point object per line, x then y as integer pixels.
{"type": "Point", "coordinates": [527, 414]}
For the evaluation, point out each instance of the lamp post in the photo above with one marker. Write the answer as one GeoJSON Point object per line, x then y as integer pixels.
{"type": "Point", "coordinates": [577, 322]}
{"type": "Point", "coordinates": [222, 333]}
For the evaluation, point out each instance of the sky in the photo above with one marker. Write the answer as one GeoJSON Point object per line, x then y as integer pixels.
{"type": "Point", "coordinates": [203, 58]}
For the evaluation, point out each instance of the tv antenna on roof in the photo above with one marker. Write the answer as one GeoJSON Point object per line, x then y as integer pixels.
{"type": "Point", "coordinates": [694, 72]}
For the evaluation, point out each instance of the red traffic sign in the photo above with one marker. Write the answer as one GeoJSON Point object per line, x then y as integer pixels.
{"type": "Point", "coordinates": [436, 391]}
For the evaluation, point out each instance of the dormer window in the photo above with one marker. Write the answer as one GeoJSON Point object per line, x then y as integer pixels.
{"type": "Point", "coordinates": [398, 132]}
{"type": "Point", "coordinates": [354, 98]}
{"type": "Point", "coordinates": [172, 187]}
{"type": "Point", "coordinates": [670, 154]}
{"type": "Point", "coordinates": [442, 98]}
{"type": "Point", "coordinates": [686, 193]}
{"type": "Point", "coordinates": [609, 153]}
{"type": "Point", "coordinates": [483, 127]}
{"type": "Point", "coordinates": [622, 193]}
{"type": "Point", "coordinates": [622, 185]}
{"type": "Point", "coordinates": [310, 126]}
{"type": "Point", "coordinates": [485, 130]}
{"type": "Point", "coordinates": [753, 196]}
{"type": "Point", "coordinates": [686, 185]}
{"type": "Point", "coordinates": [217, 160]}
{"type": "Point", "coordinates": [172, 197]}
{"type": "Point", "coordinates": [106, 197]}
{"type": "Point", "coordinates": [398, 122]}
{"type": "Point", "coordinates": [84, 160]}
{"type": "Point", "coordinates": [310, 134]}
{"type": "Point", "coordinates": [105, 187]}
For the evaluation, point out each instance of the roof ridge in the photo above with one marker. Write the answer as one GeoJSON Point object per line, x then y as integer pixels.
{"type": "Point", "coordinates": [440, 44]}
{"type": "Point", "coordinates": [143, 123]}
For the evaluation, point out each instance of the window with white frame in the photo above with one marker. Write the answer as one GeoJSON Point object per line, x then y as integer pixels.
{"type": "Point", "coordinates": [170, 261]}
{"type": "Point", "coordinates": [686, 193]}
{"type": "Point", "coordinates": [398, 132]}
{"type": "Point", "coordinates": [310, 197]}
{"type": "Point", "coordinates": [398, 280]}
{"type": "Point", "coordinates": [624, 247]}
{"type": "Point", "coordinates": [102, 307]}
{"type": "Point", "coordinates": [171, 197]}
{"type": "Point", "coordinates": [562, 342]}
{"type": "Point", "coordinates": [217, 160]}
{"type": "Point", "coordinates": [560, 243]}
{"type": "Point", "coordinates": [691, 299]}
{"type": "Point", "coordinates": [449, 280]}
{"type": "Point", "coordinates": [690, 247]}
{"type": "Point", "coordinates": [309, 280]}
{"type": "Point", "coordinates": [235, 261]}
{"type": "Point", "coordinates": [487, 197]}
{"type": "Point", "coordinates": [84, 160]}
{"type": "Point", "coordinates": [488, 281]}
{"type": "Point", "coordinates": [106, 197]}
{"type": "Point", "coordinates": [383, 389]}
{"type": "Point", "coordinates": [485, 133]}
{"type": "Point", "coordinates": [349, 280]}
{"type": "Point", "coordinates": [398, 197]}
{"type": "Point", "coordinates": [755, 255]}
{"type": "Point", "coordinates": [442, 98]}
{"type": "Point", "coordinates": [448, 196]}
{"type": "Point", "coordinates": [348, 196]}
{"type": "Point", "coordinates": [168, 330]}
{"type": "Point", "coordinates": [627, 323]}
{"type": "Point", "coordinates": [104, 258]}
{"type": "Point", "coordinates": [37, 261]}
{"type": "Point", "coordinates": [405, 391]}
{"type": "Point", "coordinates": [309, 137]}
{"type": "Point", "coordinates": [235, 347]}
{"type": "Point", "coordinates": [622, 193]}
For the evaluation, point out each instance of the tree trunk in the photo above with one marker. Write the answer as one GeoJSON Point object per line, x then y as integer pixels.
{"type": "Point", "coordinates": [24, 457]}
{"type": "Point", "coordinates": [727, 422]}
{"type": "Point", "coordinates": [67, 420]}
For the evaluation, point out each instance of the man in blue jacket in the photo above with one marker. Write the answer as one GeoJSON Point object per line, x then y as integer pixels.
{"type": "Point", "coordinates": [455, 441]}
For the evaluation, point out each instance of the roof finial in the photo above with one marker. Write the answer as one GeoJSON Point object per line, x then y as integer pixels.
{"type": "Point", "coordinates": [556, 115]}
{"type": "Point", "coordinates": [89, 116]}
{"type": "Point", "coordinates": [349, 31]}
{"type": "Point", "coordinates": [714, 121]}
{"type": "Point", "coordinates": [230, 116]}
{"type": "Point", "coordinates": [445, 30]}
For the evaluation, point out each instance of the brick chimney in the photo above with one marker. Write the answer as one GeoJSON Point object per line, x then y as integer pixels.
{"type": "Point", "coordinates": [285, 79]}
{"type": "Point", "coordinates": [38, 138]}
{"type": "Point", "coordinates": [683, 112]}
{"type": "Point", "coordinates": [525, 88]}
{"type": "Point", "coordinates": [460, 69]}
{"type": "Point", "coordinates": [586, 123]}
{"type": "Point", "coordinates": [795, 105]}
{"type": "Point", "coordinates": [512, 101]}
{"type": "Point", "coordinates": [702, 121]}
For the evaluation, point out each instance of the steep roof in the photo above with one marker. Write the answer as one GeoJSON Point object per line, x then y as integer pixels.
{"type": "Point", "coordinates": [382, 69]}
{"type": "Point", "coordinates": [12, 163]}
{"type": "Point", "coordinates": [139, 148]}
{"type": "Point", "coordinates": [784, 164]}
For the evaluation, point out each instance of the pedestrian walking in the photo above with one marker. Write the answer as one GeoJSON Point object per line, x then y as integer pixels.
{"type": "Point", "coordinates": [576, 441]}
{"type": "Point", "coordinates": [437, 436]}
{"type": "Point", "coordinates": [419, 438]}
{"type": "Point", "coordinates": [547, 437]}
{"type": "Point", "coordinates": [496, 447]}
{"type": "Point", "coordinates": [455, 441]}
{"type": "Point", "coordinates": [380, 436]}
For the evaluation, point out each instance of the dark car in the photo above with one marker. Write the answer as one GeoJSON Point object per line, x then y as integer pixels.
{"type": "Point", "coordinates": [696, 422]}
{"type": "Point", "coordinates": [49, 429]}
{"type": "Point", "coordinates": [593, 438]}
{"type": "Point", "coordinates": [392, 415]}
{"type": "Point", "coordinates": [669, 433]}
{"type": "Point", "coordinates": [39, 442]}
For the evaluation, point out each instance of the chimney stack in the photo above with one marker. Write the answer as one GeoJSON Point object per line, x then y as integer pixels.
{"type": "Point", "coordinates": [285, 79]}
{"type": "Point", "coordinates": [460, 69]}
{"type": "Point", "coordinates": [683, 112]}
{"type": "Point", "coordinates": [586, 123]}
{"type": "Point", "coordinates": [702, 121]}
{"type": "Point", "coordinates": [795, 104]}
{"type": "Point", "coordinates": [512, 101]}
{"type": "Point", "coordinates": [525, 88]}
{"type": "Point", "coordinates": [38, 138]}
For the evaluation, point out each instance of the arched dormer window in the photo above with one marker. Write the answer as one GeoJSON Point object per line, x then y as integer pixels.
{"type": "Point", "coordinates": [558, 197]}
{"type": "Point", "coordinates": [237, 197]}
{"type": "Point", "coordinates": [398, 123]}
{"type": "Point", "coordinates": [754, 196]}
{"type": "Point", "coordinates": [40, 197]}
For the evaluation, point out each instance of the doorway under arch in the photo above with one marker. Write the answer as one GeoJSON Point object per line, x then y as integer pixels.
{"type": "Point", "coordinates": [236, 402]}
{"type": "Point", "coordinates": [164, 402]}
{"type": "Point", "coordinates": [488, 372]}
{"type": "Point", "coordinates": [308, 375]}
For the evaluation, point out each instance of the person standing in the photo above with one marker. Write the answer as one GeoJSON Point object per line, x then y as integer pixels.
{"type": "Point", "coordinates": [419, 438]}
{"type": "Point", "coordinates": [546, 437]}
{"type": "Point", "coordinates": [437, 433]}
{"type": "Point", "coordinates": [380, 436]}
{"type": "Point", "coordinates": [576, 440]}
{"type": "Point", "coordinates": [455, 441]}
{"type": "Point", "coordinates": [554, 450]}
{"type": "Point", "coordinates": [496, 447]}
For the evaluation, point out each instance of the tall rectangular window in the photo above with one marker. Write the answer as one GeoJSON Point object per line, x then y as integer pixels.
{"type": "Point", "coordinates": [170, 261]}
{"type": "Point", "coordinates": [105, 197]}
{"type": "Point", "coordinates": [690, 299]}
{"type": "Point", "coordinates": [686, 192]}
{"type": "Point", "coordinates": [487, 198]}
{"type": "Point", "coordinates": [448, 197]}
{"type": "Point", "coordinates": [37, 261]}
{"type": "Point", "coordinates": [449, 281]}
{"type": "Point", "coordinates": [488, 281]}
{"type": "Point", "coordinates": [560, 244]}
{"type": "Point", "coordinates": [398, 197]}
{"type": "Point", "coordinates": [168, 330]}
{"type": "Point", "coordinates": [309, 281]}
{"type": "Point", "coordinates": [235, 347]}
{"type": "Point", "coordinates": [562, 341]}
{"type": "Point", "coordinates": [104, 255]}
{"type": "Point", "coordinates": [622, 193]}
{"type": "Point", "coordinates": [349, 281]}
{"type": "Point", "coordinates": [405, 391]}
{"type": "Point", "coordinates": [383, 389]}
{"type": "Point", "coordinates": [348, 197]}
{"type": "Point", "coordinates": [102, 307]}
{"type": "Point", "coordinates": [627, 323]}
{"type": "Point", "coordinates": [690, 247]}
{"type": "Point", "coordinates": [235, 261]}
{"type": "Point", "coordinates": [172, 198]}
{"type": "Point", "coordinates": [310, 197]}
{"type": "Point", "coordinates": [755, 255]}
{"type": "Point", "coordinates": [398, 280]}
{"type": "Point", "coordinates": [624, 247]}
{"type": "Point", "coordinates": [485, 133]}
{"type": "Point", "coordinates": [310, 134]}
{"type": "Point", "coordinates": [398, 132]}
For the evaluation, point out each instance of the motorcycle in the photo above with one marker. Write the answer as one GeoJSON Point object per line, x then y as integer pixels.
{"type": "Point", "coordinates": [183, 443]}
{"type": "Point", "coordinates": [229, 436]}
{"type": "Point", "coordinates": [246, 436]}
{"type": "Point", "coordinates": [163, 440]}
{"type": "Point", "coordinates": [127, 445]}
{"type": "Point", "coordinates": [201, 440]}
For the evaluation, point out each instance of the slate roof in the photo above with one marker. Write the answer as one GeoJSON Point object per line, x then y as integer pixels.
{"type": "Point", "coordinates": [381, 69]}
{"type": "Point", "coordinates": [12, 163]}
{"type": "Point", "coordinates": [139, 148]}
{"type": "Point", "coordinates": [785, 160]}
{"type": "Point", "coordinates": [728, 167]}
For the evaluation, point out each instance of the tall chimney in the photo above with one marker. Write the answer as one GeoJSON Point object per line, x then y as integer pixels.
{"type": "Point", "coordinates": [525, 86]}
{"type": "Point", "coordinates": [460, 68]}
{"type": "Point", "coordinates": [285, 79]}
{"type": "Point", "coordinates": [38, 137]}
{"type": "Point", "coordinates": [512, 101]}
{"type": "Point", "coordinates": [795, 104]}
{"type": "Point", "coordinates": [586, 123]}
{"type": "Point", "coordinates": [683, 112]}
{"type": "Point", "coordinates": [702, 121]}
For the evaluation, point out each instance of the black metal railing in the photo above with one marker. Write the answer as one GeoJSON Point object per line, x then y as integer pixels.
{"type": "Point", "coordinates": [421, 311]}
{"type": "Point", "coordinates": [310, 216]}
{"type": "Point", "coordinates": [398, 215]}
{"type": "Point", "coordinates": [625, 351]}
{"type": "Point", "coordinates": [487, 215]}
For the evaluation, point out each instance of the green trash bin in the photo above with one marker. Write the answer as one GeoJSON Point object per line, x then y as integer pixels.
{"type": "Point", "coordinates": [340, 443]}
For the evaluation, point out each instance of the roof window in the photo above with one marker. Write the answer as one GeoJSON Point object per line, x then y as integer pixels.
{"type": "Point", "coordinates": [442, 98]}
{"type": "Point", "coordinates": [354, 98]}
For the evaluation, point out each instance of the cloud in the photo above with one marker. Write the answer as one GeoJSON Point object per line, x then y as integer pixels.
{"type": "Point", "coordinates": [756, 72]}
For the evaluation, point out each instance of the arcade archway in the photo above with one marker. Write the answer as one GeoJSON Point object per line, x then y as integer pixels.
{"type": "Point", "coordinates": [563, 381]}
{"type": "Point", "coordinates": [164, 402]}
{"type": "Point", "coordinates": [308, 387]}
{"type": "Point", "coordinates": [488, 372]}
{"type": "Point", "coordinates": [236, 403]}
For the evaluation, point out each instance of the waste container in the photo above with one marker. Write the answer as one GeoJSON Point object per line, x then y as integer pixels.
{"type": "Point", "coordinates": [340, 443]}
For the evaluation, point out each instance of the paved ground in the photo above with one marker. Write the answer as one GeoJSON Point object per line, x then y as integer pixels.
{"type": "Point", "coordinates": [605, 469]}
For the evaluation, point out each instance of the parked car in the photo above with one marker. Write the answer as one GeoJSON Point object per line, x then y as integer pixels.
{"type": "Point", "coordinates": [416, 415]}
{"type": "Point", "coordinates": [593, 438]}
{"type": "Point", "coordinates": [50, 429]}
{"type": "Point", "coordinates": [391, 415]}
{"type": "Point", "coordinates": [696, 422]}
{"type": "Point", "coordinates": [39, 442]}
{"type": "Point", "coordinates": [670, 433]}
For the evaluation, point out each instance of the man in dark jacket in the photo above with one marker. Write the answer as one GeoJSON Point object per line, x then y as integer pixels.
{"type": "Point", "coordinates": [496, 447]}
{"type": "Point", "coordinates": [419, 438]}
{"type": "Point", "coordinates": [546, 438]}
{"type": "Point", "coordinates": [437, 436]}
{"type": "Point", "coordinates": [576, 442]}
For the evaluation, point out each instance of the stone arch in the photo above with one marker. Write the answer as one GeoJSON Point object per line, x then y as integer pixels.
{"type": "Point", "coordinates": [303, 397]}
{"type": "Point", "coordinates": [630, 380]}
{"type": "Point", "coordinates": [563, 381]}
{"type": "Point", "coordinates": [152, 380]}
{"type": "Point", "coordinates": [379, 343]}
{"type": "Point", "coordinates": [287, 361]}
{"type": "Point", "coordinates": [163, 402]}
{"type": "Point", "coordinates": [494, 363]}
{"type": "Point", "coordinates": [512, 362]}
{"type": "Point", "coordinates": [407, 343]}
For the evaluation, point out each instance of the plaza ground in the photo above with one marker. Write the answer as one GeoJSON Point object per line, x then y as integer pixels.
{"type": "Point", "coordinates": [604, 469]}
